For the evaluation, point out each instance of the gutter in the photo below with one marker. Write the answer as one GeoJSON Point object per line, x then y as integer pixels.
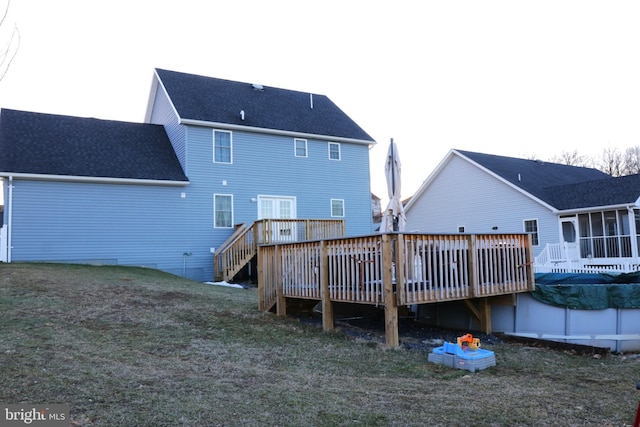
{"type": "Point", "coordinates": [273, 131]}
{"type": "Point", "coordinates": [93, 179]}
{"type": "Point", "coordinates": [599, 208]}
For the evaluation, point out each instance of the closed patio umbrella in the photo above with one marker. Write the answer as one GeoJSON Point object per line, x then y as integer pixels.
{"type": "Point", "coordinates": [393, 218]}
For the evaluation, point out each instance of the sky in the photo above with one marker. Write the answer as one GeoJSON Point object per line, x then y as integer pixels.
{"type": "Point", "coordinates": [527, 79]}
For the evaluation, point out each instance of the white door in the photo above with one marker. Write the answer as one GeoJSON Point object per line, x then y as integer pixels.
{"type": "Point", "coordinates": [278, 207]}
{"type": "Point", "coordinates": [569, 228]}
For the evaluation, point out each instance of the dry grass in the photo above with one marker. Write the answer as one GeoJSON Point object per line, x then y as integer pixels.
{"type": "Point", "coordinates": [136, 347]}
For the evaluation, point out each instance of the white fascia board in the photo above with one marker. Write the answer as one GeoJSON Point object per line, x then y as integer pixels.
{"type": "Point", "coordinates": [93, 179]}
{"type": "Point", "coordinates": [227, 126]}
{"type": "Point", "coordinates": [596, 208]}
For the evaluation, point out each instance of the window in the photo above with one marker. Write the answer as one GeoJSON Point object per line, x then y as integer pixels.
{"type": "Point", "coordinates": [300, 147]}
{"type": "Point", "coordinates": [222, 211]}
{"type": "Point", "coordinates": [337, 207]}
{"type": "Point", "coordinates": [461, 229]}
{"type": "Point", "coordinates": [334, 151]}
{"type": "Point", "coordinates": [531, 227]}
{"type": "Point", "coordinates": [221, 146]}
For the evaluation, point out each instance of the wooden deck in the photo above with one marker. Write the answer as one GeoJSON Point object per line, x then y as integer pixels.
{"type": "Point", "coordinates": [396, 269]}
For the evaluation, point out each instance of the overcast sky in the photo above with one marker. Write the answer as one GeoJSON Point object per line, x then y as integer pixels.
{"type": "Point", "coordinates": [515, 78]}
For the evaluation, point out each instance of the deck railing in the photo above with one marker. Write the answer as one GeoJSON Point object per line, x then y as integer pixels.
{"type": "Point", "coordinates": [241, 247]}
{"type": "Point", "coordinates": [395, 269]}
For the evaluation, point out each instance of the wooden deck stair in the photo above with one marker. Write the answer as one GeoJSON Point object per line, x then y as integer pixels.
{"type": "Point", "coordinates": [235, 253]}
{"type": "Point", "coordinates": [242, 246]}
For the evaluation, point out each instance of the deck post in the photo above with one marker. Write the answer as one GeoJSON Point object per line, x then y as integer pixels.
{"type": "Point", "coordinates": [281, 305]}
{"type": "Point", "coordinates": [529, 264]}
{"type": "Point", "coordinates": [390, 304]}
{"type": "Point", "coordinates": [327, 305]}
{"type": "Point", "coordinates": [473, 266]}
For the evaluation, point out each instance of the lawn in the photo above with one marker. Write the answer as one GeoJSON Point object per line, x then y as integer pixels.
{"type": "Point", "coordinates": [126, 346]}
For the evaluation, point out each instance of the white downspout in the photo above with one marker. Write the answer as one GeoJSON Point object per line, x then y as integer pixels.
{"type": "Point", "coordinates": [10, 219]}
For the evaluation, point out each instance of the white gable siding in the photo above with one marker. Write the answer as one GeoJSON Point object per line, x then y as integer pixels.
{"type": "Point", "coordinates": [463, 195]}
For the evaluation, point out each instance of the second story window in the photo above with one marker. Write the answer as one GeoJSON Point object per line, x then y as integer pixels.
{"type": "Point", "coordinates": [300, 147]}
{"type": "Point", "coordinates": [221, 146]}
{"type": "Point", "coordinates": [334, 151]}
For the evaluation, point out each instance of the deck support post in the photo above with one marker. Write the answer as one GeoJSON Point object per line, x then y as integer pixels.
{"type": "Point", "coordinates": [327, 305]}
{"type": "Point", "coordinates": [482, 314]}
{"type": "Point", "coordinates": [390, 303]}
{"type": "Point", "coordinates": [281, 305]}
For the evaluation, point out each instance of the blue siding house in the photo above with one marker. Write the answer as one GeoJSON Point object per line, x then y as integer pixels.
{"type": "Point", "coordinates": [212, 153]}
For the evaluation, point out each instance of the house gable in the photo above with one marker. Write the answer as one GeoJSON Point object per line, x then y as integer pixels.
{"type": "Point", "coordinates": [217, 102]}
{"type": "Point", "coordinates": [64, 146]}
{"type": "Point", "coordinates": [462, 195]}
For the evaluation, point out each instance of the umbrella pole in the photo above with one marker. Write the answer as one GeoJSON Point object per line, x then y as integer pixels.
{"type": "Point", "coordinates": [394, 218]}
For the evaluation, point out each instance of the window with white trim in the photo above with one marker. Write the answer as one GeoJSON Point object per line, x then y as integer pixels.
{"type": "Point", "coordinates": [531, 227]}
{"type": "Point", "coordinates": [223, 211]}
{"type": "Point", "coordinates": [300, 147]}
{"type": "Point", "coordinates": [222, 146]}
{"type": "Point", "coordinates": [334, 151]}
{"type": "Point", "coordinates": [337, 208]}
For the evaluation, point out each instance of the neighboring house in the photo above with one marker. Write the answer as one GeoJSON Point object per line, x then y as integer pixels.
{"type": "Point", "coordinates": [376, 211]}
{"type": "Point", "coordinates": [213, 153]}
{"type": "Point", "coordinates": [579, 218]}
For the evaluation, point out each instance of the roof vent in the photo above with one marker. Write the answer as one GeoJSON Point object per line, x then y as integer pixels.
{"type": "Point", "coordinates": [256, 86]}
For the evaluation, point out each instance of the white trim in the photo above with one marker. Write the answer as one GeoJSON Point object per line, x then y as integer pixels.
{"type": "Point", "coordinates": [293, 199]}
{"type": "Point", "coordinates": [213, 144]}
{"type": "Point", "coordinates": [537, 233]}
{"type": "Point", "coordinates": [214, 210]}
{"type": "Point", "coordinates": [329, 144]}
{"type": "Point", "coordinates": [228, 126]}
{"type": "Point", "coordinates": [93, 179]}
{"type": "Point", "coordinates": [295, 147]}
{"type": "Point", "coordinates": [344, 209]}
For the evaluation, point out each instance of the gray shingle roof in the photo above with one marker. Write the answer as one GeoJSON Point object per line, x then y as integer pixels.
{"type": "Point", "coordinates": [220, 101]}
{"type": "Point", "coordinates": [36, 143]}
{"type": "Point", "coordinates": [561, 186]}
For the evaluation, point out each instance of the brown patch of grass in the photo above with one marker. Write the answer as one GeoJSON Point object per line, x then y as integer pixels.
{"type": "Point", "coordinates": [133, 346]}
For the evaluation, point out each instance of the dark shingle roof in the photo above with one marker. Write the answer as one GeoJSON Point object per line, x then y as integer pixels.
{"type": "Point", "coordinates": [220, 101]}
{"type": "Point", "coordinates": [36, 143]}
{"type": "Point", "coordinates": [603, 192]}
{"type": "Point", "coordinates": [561, 186]}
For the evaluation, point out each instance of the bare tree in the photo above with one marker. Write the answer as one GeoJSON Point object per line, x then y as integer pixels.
{"type": "Point", "coordinates": [612, 162]}
{"type": "Point", "coordinates": [10, 49]}
{"type": "Point", "coordinates": [631, 161]}
{"type": "Point", "coordinates": [573, 159]}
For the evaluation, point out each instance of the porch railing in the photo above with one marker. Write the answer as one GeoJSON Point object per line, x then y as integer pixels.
{"type": "Point", "coordinates": [395, 269]}
{"type": "Point", "coordinates": [241, 247]}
